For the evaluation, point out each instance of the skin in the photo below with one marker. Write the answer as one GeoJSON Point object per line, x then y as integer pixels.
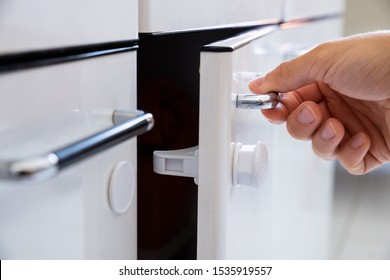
{"type": "Point", "coordinates": [338, 96]}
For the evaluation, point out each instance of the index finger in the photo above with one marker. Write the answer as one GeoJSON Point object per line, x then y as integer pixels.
{"type": "Point", "coordinates": [303, 70]}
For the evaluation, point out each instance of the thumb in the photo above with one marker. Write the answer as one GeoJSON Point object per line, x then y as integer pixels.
{"type": "Point", "coordinates": [291, 75]}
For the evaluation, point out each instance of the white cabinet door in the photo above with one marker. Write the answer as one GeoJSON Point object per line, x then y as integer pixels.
{"type": "Point", "coordinates": [287, 214]}
{"type": "Point", "coordinates": [42, 24]}
{"type": "Point", "coordinates": [300, 9]}
{"type": "Point", "coordinates": [69, 216]}
{"type": "Point", "coordinates": [178, 15]}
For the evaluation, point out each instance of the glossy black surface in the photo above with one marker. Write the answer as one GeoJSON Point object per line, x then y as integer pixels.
{"type": "Point", "coordinates": [26, 60]}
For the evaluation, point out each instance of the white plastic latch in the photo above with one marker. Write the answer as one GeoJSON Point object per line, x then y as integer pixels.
{"type": "Point", "coordinates": [250, 164]}
{"type": "Point", "coordinates": [183, 163]}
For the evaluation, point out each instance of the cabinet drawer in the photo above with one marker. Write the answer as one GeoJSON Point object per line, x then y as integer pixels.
{"type": "Point", "coordinates": [42, 24]}
{"type": "Point", "coordinates": [44, 92]}
{"type": "Point", "coordinates": [287, 214]}
{"type": "Point", "coordinates": [301, 9]}
{"type": "Point", "coordinates": [177, 15]}
{"type": "Point", "coordinates": [68, 216]}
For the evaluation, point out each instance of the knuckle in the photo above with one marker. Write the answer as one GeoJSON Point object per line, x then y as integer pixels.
{"type": "Point", "coordinates": [280, 72]}
{"type": "Point", "coordinates": [296, 130]}
{"type": "Point", "coordinates": [353, 167]}
{"type": "Point", "coordinates": [325, 152]}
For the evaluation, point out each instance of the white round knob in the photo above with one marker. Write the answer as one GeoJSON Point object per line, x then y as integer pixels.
{"type": "Point", "coordinates": [250, 164]}
{"type": "Point", "coordinates": [122, 186]}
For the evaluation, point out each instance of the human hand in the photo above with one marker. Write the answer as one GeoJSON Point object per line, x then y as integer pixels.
{"type": "Point", "coordinates": [338, 96]}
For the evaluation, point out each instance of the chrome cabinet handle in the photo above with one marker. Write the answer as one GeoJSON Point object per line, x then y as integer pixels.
{"type": "Point", "coordinates": [47, 165]}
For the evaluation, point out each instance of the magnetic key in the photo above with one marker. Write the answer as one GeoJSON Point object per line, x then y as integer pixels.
{"type": "Point", "coordinates": [257, 101]}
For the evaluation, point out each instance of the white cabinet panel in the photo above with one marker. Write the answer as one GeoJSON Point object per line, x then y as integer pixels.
{"type": "Point", "coordinates": [288, 217]}
{"type": "Point", "coordinates": [34, 25]}
{"type": "Point", "coordinates": [298, 9]}
{"type": "Point", "coordinates": [174, 15]}
{"type": "Point", "coordinates": [68, 216]}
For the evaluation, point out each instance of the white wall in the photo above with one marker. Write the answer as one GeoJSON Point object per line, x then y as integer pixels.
{"type": "Point", "coordinates": [366, 15]}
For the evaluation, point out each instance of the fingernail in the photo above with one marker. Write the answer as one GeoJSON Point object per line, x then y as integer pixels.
{"type": "Point", "coordinates": [256, 83]}
{"type": "Point", "coordinates": [306, 116]}
{"type": "Point", "coordinates": [328, 132]}
{"type": "Point", "coordinates": [357, 141]}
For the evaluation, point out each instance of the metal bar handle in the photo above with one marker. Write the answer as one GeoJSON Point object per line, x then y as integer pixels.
{"type": "Point", "coordinates": [48, 165]}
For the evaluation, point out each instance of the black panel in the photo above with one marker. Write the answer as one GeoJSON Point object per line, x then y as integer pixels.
{"type": "Point", "coordinates": [26, 60]}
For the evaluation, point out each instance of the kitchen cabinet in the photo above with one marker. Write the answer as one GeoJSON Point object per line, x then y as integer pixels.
{"type": "Point", "coordinates": [66, 67]}
{"type": "Point", "coordinates": [288, 216]}
{"type": "Point", "coordinates": [68, 216]}
{"type": "Point", "coordinates": [69, 69]}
